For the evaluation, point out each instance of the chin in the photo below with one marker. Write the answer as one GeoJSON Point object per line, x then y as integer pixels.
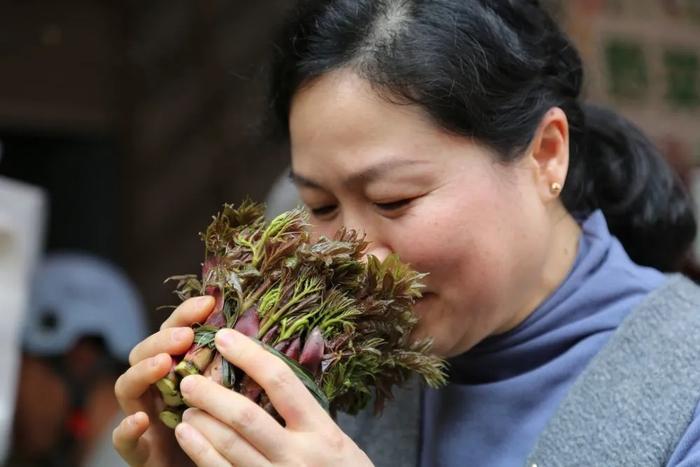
{"type": "Point", "coordinates": [431, 324]}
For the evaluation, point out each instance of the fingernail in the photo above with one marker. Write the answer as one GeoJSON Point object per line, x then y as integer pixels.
{"type": "Point", "coordinates": [180, 335]}
{"type": "Point", "coordinates": [188, 383]}
{"type": "Point", "coordinates": [133, 420]}
{"type": "Point", "coordinates": [225, 337]}
{"type": "Point", "coordinates": [184, 432]}
{"type": "Point", "coordinates": [187, 414]}
{"type": "Point", "coordinates": [157, 360]}
{"type": "Point", "coordinates": [203, 300]}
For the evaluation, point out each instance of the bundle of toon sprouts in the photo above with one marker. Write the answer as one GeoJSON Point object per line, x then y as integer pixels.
{"type": "Point", "coordinates": [341, 322]}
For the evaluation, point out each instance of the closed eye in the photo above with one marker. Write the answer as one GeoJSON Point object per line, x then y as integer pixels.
{"type": "Point", "coordinates": [323, 210]}
{"type": "Point", "coordinates": [394, 205]}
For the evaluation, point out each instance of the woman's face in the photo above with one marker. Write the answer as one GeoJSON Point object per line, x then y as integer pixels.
{"type": "Point", "coordinates": [441, 202]}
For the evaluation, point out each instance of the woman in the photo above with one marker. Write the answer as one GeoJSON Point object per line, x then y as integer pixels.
{"type": "Point", "coordinates": [451, 132]}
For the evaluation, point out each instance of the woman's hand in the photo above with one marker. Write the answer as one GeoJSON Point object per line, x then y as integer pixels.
{"type": "Point", "coordinates": [224, 428]}
{"type": "Point", "coordinates": [141, 439]}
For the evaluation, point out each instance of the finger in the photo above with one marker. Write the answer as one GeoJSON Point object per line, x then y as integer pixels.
{"type": "Point", "coordinates": [198, 448]}
{"type": "Point", "coordinates": [173, 341]}
{"type": "Point", "coordinates": [227, 442]}
{"type": "Point", "coordinates": [135, 381]}
{"type": "Point", "coordinates": [248, 419]}
{"type": "Point", "coordinates": [287, 393]}
{"type": "Point", "coordinates": [128, 441]}
{"type": "Point", "coordinates": [193, 310]}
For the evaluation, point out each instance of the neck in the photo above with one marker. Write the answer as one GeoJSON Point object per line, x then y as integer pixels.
{"type": "Point", "coordinates": [561, 255]}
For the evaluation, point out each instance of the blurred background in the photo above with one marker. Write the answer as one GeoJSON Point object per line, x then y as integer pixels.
{"type": "Point", "coordinates": [124, 125]}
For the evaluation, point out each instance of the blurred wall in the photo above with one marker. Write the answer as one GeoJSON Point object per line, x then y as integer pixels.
{"type": "Point", "coordinates": [197, 87]}
{"type": "Point", "coordinates": [643, 58]}
{"type": "Point", "coordinates": [60, 65]}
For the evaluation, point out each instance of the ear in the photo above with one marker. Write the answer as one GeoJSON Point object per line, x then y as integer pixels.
{"type": "Point", "coordinates": [549, 153]}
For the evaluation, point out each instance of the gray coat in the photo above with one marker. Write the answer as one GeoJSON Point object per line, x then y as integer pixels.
{"type": "Point", "coordinates": [630, 406]}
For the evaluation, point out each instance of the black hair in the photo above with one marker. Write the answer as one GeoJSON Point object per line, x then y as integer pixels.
{"type": "Point", "coordinates": [490, 70]}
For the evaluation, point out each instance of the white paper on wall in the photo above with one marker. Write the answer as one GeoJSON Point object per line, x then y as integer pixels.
{"type": "Point", "coordinates": [22, 223]}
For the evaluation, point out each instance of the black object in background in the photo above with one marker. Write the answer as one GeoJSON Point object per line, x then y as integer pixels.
{"type": "Point", "coordinates": [81, 177]}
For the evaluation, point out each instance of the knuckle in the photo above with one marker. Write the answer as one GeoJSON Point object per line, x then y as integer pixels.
{"type": "Point", "coordinates": [203, 452]}
{"type": "Point", "coordinates": [280, 379]}
{"type": "Point", "coordinates": [231, 443]}
{"type": "Point", "coordinates": [335, 440]}
{"type": "Point", "coordinates": [139, 350]}
{"type": "Point", "coordinates": [246, 417]}
{"type": "Point", "coordinates": [294, 462]}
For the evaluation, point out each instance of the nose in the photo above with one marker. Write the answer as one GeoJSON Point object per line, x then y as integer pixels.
{"type": "Point", "coordinates": [377, 249]}
{"type": "Point", "coordinates": [378, 245]}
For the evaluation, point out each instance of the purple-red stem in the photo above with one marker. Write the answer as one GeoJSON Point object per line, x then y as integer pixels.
{"type": "Point", "coordinates": [294, 349]}
{"type": "Point", "coordinates": [215, 370]}
{"type": "Point", "coordinates": [250, 388]}
{"type": "Point", "coordinates": [249, 322]}
{"type": "Point", "coordinates": [312, 353]}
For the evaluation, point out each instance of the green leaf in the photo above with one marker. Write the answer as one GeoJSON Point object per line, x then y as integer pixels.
{"type": "Point", "coordinates": [204, 336]}
{"type": "Point", "coordinates": [304, 376]}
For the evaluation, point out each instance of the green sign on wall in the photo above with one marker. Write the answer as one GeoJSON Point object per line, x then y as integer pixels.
{"type": "Point", "coordinates": [628, 77]}
{"type": "Point", "coordinates": [682, 78]}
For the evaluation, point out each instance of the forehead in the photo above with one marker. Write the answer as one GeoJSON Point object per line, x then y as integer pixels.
{"type": "Point", "coordinates": [340, 126]}
{"type": "Point", "coordinates": [341, 113]}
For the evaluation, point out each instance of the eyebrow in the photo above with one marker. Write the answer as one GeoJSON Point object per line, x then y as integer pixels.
{"type": "Point", "coordinates": [362, 177]}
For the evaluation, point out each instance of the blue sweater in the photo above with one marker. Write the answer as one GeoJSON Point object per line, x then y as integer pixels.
{"type": "Point", "coordinates": [504, 390]}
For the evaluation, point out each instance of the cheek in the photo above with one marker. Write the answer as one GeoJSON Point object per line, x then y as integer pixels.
{"type": "Point", "coordinates": [430, 244]}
